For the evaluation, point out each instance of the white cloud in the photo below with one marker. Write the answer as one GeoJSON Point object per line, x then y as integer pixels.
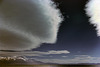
{"type": "Point", "coordinates": [93, 11]}
{"type": "Point", "coordinates": [25, 24]}
{"type": "Point", "coordinates": [76, 59]}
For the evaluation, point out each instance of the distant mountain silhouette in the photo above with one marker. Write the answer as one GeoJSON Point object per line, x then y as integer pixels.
{"type": "Point", "coordinates": [18, 60]}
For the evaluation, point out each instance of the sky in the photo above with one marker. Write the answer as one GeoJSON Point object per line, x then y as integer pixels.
{"type": "Point", "coordinates": [77, 40]}
{"type": "Point", "coordinates": [75, 35]}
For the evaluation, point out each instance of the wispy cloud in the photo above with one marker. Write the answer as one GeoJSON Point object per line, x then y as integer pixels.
{"type": "Point", "coordinates": [64, 56]}
{"type": "Point", "coordinates": [34, 53]}
{"type": "Point", "coordinates": [76, 59]}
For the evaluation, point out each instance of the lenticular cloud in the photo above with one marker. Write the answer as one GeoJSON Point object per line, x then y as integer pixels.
{"type": "Point", "coordinates": [25, 24]}
{"type": "Point", "coordinates": [93, 11]}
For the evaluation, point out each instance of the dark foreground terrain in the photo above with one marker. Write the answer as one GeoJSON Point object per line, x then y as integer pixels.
{"type": "Point", "coordinates": [14, 65]}
{"type": "Point", "coordinates": [22, 63]}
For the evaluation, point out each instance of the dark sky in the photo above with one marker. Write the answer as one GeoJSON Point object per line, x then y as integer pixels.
{"type": "Point", "coordinates": [76, 34]}
{"type": "Point", "coordinates": [77, 40]}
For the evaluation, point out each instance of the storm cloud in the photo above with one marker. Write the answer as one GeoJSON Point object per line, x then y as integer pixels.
{"type": "Point", "coordinates": [26, 24]}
